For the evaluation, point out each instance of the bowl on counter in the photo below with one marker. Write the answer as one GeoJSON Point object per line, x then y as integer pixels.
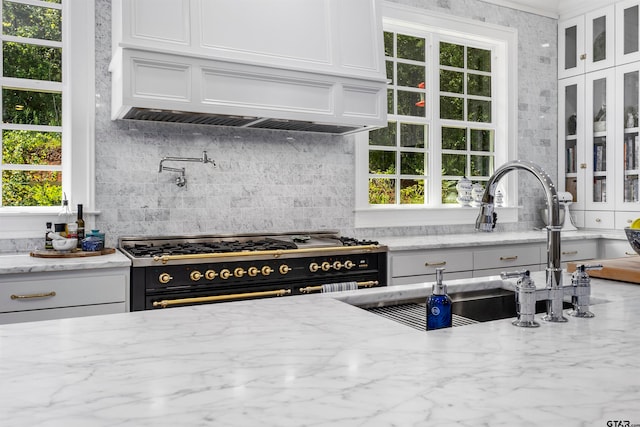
{"type": "Point", "coordinates": [64, 245]}
{"type": "Point", "coordinates": [633, 236]}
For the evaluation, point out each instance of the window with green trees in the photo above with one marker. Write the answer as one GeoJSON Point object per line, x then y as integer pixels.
{"type": "Point", "coordinates": [32, 90]}
{"type": "Point", "coordinates": [441, 127]}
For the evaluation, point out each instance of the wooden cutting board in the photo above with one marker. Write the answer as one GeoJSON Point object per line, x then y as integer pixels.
{"type": "Point", "coordinates": [76, 253]}
{"type": "Point", "coordinates": [625, 269]}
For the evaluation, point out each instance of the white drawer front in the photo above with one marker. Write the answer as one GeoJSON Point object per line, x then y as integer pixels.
{"type": "Point", "coordinates": [617, 249]}
{"type": "Point", "coordinates": [425, 262]}
{"type": "Point", "coordinates": [598, 219]}
{"type": "Point", "coordinates": [62, 313]}
{"type": "Point", "coordinates": [624, 219]}
{"type": "Point", "coordinates": [572, 251]}
{"type": "Point", "coordinates": [37, 291]}
{"type": "Point", "coordinates": [507, 256]}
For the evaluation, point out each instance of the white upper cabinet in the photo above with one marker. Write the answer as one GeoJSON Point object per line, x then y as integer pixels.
{"type": "Point", "coordinates": [317, 35]}
{"type": "Point", "coordinates": [586, 42]}
{"type": "Point", "coordinates": [627, 31]}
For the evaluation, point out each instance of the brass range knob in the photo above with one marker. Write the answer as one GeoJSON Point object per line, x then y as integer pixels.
{"type": "Point", "coordinates": [313, 267]}
{"type": "Point", "coordinates": [239, 272]}
{"type": "Point", "coordinates": [266, 270]}
{"type": "Point", "coordinates": [325, 266]}
{"type": "Point", "coordinates": [348, 264]}
{"type": "Point", "coordinates": [253, 271]}
{"type": "Point", "coordinates": [337, 265]}
{"type": "Point", "coordinates": [284, 269]}
{"type": "Point", "coordinates": [165, 278]}
{"type": "Point", "coordinates": [225, 274]}
{"type": "Point", "coordinates": [210, 274]}
{"type": "Point", "coordinates": [195, 275]}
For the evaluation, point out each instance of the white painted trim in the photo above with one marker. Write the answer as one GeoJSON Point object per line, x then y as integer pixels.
{"type": "Point", "coordinates": [78, 123]}
{"type": "Point", "coordinates": [392, 216]}
{"type": "Point", "coordinates": [420, 19]}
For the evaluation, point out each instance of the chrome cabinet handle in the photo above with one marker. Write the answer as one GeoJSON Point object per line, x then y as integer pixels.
{"type": "Point", "coordinates": [31, 296]}
{"type": "Point", "coordinates": [570, 253]}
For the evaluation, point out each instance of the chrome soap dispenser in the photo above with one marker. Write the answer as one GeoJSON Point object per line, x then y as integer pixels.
{"type": "Point", "coordinates": [439, 305]}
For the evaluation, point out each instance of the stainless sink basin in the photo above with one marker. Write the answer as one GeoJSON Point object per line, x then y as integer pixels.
{"type": "Point", "coordinates": [468, 308]}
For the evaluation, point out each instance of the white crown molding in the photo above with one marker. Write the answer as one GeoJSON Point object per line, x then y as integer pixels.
{"type": "Point", "coordinates": [553, 8]}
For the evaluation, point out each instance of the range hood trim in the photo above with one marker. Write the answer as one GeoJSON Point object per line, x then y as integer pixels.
{"type": "Point", "coordinates": [184, 84]}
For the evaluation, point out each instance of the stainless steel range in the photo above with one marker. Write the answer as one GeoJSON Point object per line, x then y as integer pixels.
{"type": "Point", "coordinates": [186, 270]}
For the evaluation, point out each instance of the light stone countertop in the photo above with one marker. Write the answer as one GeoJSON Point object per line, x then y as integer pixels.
{"type": "Point", "coordinates": [25, 263]}
{"type": "Point", "coordinates": [314, 360]}
{"type": "Point", "coordinates": [441, 241]}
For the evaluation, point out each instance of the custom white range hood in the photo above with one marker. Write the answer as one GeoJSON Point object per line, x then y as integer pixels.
{"type": "Point", "coordinates": [312, 65]}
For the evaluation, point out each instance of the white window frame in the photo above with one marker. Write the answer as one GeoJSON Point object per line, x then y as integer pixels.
{"type": "Point", "coordinates": [449, 27]}
{"type": "Point", "coordinates": [78, 124]}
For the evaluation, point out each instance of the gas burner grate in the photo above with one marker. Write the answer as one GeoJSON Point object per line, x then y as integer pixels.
{"type": "Point", "coordinates": [222, 246]}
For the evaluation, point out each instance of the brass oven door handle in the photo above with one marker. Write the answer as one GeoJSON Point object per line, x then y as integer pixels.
{"type": "Point", "coordinates": [166, 303]}
{"type": "Point", "coordinates": [276, 253]}
{"type": "Point", "coordinates": [32, 296]}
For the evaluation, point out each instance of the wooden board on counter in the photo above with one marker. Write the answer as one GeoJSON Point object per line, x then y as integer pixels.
{"type": "Point", "coordinates": [625, 269]}
{"type": "Point", "coordinates": [76, 253]}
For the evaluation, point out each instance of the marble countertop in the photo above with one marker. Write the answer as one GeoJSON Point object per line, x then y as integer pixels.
{"type": "Point", "coordinates": [315, 360]}
{"type": "Point", "coordinates": [25, 263]}
{"type": "Point", "coordinates": [403, 243]}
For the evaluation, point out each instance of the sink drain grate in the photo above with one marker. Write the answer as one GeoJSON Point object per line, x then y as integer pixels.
{"type": "Point", "coordinates": [414, 315]}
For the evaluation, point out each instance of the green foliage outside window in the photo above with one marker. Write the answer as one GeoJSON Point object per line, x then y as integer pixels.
{"type": "Point", "coordinates": [27, 107]}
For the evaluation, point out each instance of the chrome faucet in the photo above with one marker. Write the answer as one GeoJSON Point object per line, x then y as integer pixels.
{"type": "Point", "coordinates": [181, 181]}
{"type": "Point", "coordinates": [554, 291]}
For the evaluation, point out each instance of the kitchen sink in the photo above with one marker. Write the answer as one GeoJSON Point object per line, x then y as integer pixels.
{"type": "Point", "coordinates": [468, 307]}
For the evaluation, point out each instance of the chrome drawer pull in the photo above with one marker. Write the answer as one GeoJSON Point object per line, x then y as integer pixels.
{"type": "Point", "coordinates": [435, 264]}
{"type": "Point", "coordinates": [570, 253]}
{"type": "Point", "coordinates": [30, 296]}
{"type": "Point", "coordinates": [509, 258]}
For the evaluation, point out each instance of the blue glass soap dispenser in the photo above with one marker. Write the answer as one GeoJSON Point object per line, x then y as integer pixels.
{"type": "Point", "coordinates": [439, 305]}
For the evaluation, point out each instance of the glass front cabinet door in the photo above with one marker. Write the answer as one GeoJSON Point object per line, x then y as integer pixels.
{"type": "Point", "coordinates": [571, 162]}
{"type": "Point", "coordinates": [627, 31]}
{"type": "Point", "coordinates": [628, 149]}
{"type": "Point", "coordinates": [599, 146]}
{"type": "Point", "coordinates": [586, 42]}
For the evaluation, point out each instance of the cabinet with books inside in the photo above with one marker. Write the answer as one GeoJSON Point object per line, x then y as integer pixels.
{"type": "Point", "coordinates": [628, 154]}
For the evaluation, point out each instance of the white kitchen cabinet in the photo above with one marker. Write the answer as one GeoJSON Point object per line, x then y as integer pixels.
{"type": "Point", "coordinates": [492, 261]}
{"type": "Point", "coordinates": [577, 250]}
{"type": "Point", "coordinates": [625, 218]}
{"type": "Point", "coordinates": [616, 249]}
{"type": "Point", "coordinates": [420, 265]}
{"type": "Point", "coordinates": [415, 266]}
{"type": "Point", "coordinates": [599, 219]}
{"type": "Point", "coordinates": [322, 36]}
{"type": "Point", "coordinates": [627, 160]}
{"type": "Point", "coordinates": [627, 31]}
{"type": "Point", "coordinates": [586, 42]}
{"type": "Point", "coordinates": [586, 130]}
{"type": "Point", "coordinates": [61, 294]}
